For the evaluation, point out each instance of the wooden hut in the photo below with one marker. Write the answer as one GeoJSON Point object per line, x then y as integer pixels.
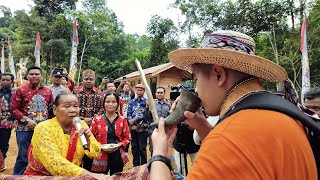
{"type": "Point", "coordinates": [164, 75]}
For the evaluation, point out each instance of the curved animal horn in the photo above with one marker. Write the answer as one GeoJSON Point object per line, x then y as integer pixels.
{"type": "Point", "coordinates": [188, 101]}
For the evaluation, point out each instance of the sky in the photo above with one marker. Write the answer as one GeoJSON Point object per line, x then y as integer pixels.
{"type": "Point", "coordinates": [135, 14]}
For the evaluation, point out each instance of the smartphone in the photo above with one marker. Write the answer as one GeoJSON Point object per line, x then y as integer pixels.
{"type": "Point", "coordinates": [105, 78]}
{"type": "Point", "coordinates": [58, 69]}
{"type": "Point", "coordinates": [111, 80]}
{"type": "Point", "coordinates": [124, 78]}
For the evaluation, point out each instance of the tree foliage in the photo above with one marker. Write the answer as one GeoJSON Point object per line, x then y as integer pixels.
{"type": "Point", "coordinates": [274, 24]}
{"type": "Point", "coordinates": [164, 38]}
{"type": "Point", "coordinates": [267, 21]}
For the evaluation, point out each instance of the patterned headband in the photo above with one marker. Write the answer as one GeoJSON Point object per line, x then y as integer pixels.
{"type": "Point", "coordinates": [226, 42]}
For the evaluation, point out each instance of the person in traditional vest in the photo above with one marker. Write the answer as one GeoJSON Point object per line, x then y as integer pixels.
{"type": "Point", "coordinates": [90, 103]}
{"type": "Point", "coordinates": [6, 119]}
{"type": "Point", "coordinates": [56, 79]}
{"type": "Point", "coordinates": [29, 106]}
{"type": "Point", "coordinates": [111, 128]}
{"type": "Point", "coordinates": [90, 98]}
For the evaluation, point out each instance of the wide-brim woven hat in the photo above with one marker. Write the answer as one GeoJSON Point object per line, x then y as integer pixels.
{"type": "Point", "coordinates": [231, 50]}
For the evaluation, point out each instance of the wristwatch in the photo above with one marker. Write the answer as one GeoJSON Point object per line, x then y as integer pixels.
{"type": "Point", "coordinates": [159, 158]}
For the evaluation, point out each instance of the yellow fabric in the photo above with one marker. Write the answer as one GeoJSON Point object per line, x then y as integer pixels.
{"type": "Point", "coordinates": [50, 147]}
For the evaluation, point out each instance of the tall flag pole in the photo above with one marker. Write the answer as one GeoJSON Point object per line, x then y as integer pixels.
{"type": "Point", "coordinates": [10, 59]}
{"type": "Point", "coordinates": [37, 51]}
{"type": "Point", "coordinates": [305, 84]}
{"type": "Point", "coordinates": [2, 60]}
{"type": "Point", "coordinates": [73, 57]}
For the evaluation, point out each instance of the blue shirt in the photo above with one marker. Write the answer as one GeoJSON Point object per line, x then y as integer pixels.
{"type": "Point", "coordinates": [163, 109]}
{"type": "Point", "coordinates": [137, 109]}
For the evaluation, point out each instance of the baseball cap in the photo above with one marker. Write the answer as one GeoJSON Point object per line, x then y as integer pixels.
{"type": "Point", "coordinates": [57, 72]}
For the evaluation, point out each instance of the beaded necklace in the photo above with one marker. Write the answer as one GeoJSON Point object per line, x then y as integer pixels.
{"type": "Point", "coordinates": [241, 97]}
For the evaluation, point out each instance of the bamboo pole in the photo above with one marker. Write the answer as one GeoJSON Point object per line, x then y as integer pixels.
{"type": "Point", "coordinates": [84, 47]}
{"type": "Point", "coordinates": [152, 105]}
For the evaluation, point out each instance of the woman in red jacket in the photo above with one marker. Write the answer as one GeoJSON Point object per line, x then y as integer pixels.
{"type": "Point", "coordinates": [111, 128]}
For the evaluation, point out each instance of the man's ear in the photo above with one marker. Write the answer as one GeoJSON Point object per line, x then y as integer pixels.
{"type": "Point", "coordinates": [54, 110]}
{"type": "Point", "coordinates": [220, 74]}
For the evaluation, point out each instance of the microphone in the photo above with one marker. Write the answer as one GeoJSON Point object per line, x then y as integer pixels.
{"type": "Point", "coordinates": [76, 121]}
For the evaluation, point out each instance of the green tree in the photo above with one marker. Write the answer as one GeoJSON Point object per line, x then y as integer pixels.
{"type": "Point", "coordinates": [7, 16]}
{"type": "Point", "coordinates": [51, 8]}
{"type": "Point", "coordinates": [164, 38]}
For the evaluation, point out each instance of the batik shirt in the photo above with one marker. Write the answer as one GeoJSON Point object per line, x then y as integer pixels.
{"type": "Point", "coordinates": [32, 103]}
{"type": "Point", "coordinates": [6, 119]}
{"type": "Point", "coordinates": [89, 103]}
{"type": "Point", "coordinates": [126, 98]}
{"type": "Point", "coordinates": [136, 110]}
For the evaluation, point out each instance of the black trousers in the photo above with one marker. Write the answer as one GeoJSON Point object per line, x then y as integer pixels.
{"type": "Point", "coordinates": [115, 162]}
{"type": "Point", "coordinates": [139, 147]}
{"type": "Point", "coordinates": [87, 162]}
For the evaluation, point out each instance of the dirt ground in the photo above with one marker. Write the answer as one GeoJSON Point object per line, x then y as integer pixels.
{"type": "Point", "coordinates": [13, 152]}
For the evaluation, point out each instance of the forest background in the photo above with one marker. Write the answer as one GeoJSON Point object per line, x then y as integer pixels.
{"type": "Point", "coordinates": [274, 24]}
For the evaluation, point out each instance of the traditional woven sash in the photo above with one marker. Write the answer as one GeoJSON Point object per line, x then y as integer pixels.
{"type": "Point", "coordinates": [36, 168]}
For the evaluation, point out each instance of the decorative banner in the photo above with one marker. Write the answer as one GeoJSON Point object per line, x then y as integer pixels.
{"type": "Point", "coordinates": [305, 84]}
{"type": "Point", "coordinates": [37, 51]}
{"type": "Point", "coordinates": [10, 59]}
{"type": "Point", "coordinates": [2, 60]}
{"type": "Point", "coordinates": [73, 57]}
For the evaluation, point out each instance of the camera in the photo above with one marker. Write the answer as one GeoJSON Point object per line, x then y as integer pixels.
{"type": "Point", "coordinates": [175, 90]}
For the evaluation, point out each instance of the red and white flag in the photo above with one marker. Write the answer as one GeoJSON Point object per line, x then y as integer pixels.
{"type": "Point", "coordinates": [12, 66]}
{"type": "Point", "coordinates": [305, 84]}
{"type": "Point", "coordinates": [2, 60]}
{"type": "Point", "coordinates": [73, 57]}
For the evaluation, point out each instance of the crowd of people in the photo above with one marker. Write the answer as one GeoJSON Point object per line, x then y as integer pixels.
{"type": "Point", "coordinates": [253, 143]}
{"type": "Point", "coordinates": [43, 118]}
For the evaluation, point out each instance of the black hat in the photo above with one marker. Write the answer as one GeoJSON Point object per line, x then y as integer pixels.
{"type": "Point", "coordinates": [57, 72]}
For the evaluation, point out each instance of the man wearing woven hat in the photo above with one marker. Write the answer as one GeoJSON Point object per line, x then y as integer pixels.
{"type": "Point", "coordinates": [251, 143]}
{"type": "Point", "coordinates": [138, 126]}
